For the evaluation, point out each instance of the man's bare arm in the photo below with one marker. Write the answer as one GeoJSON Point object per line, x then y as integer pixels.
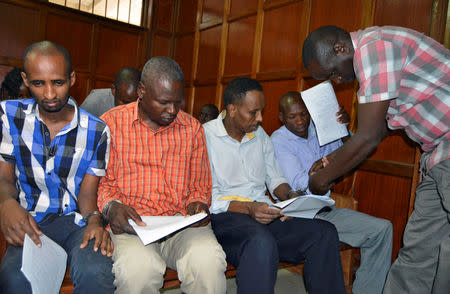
{"type": "Point", "coordinates": [15, 221]}
{"type": "Point", "coordinates": [372, 129]}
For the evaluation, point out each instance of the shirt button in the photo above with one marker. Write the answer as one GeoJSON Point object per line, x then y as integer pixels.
{"type": "Point", "coordinates": [46, 133]}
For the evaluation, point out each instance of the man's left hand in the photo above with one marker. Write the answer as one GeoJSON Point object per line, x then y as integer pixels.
{"type": "Point", "coordinates": [343, 116]}
{"type": "Point", "coordinates": [95, 230]}
{"type": "Point", "coordinates": [197, 207]}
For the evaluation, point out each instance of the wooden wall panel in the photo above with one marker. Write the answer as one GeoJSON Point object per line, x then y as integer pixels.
{"type": "Point", "coordinates": [203, 95]}
{"type": "Point", "coordinates": [19, 27]}
{"type": "Point", "coordinates": [239, 52]}
{"type": "Point", "coordinates": [116, 49]}
{"type": "Point", "coordinates": [414, 14]}
{"type": "Point", "coordinates": [184, 48]}
{"type": "Point", "coordinates": [103, 84]}
{"type": "Point", "coordinates": [280, 45]}
{"type": "Point", "coordinates": [212, 10]}
{"type": "Point", "coordinates": [80, 89]}
{"type": "Point", "coordinates": [239, 7]}
{"type": "Point", "coordinates": [160, 45]}
{"type": "Point", "coordinates": [81, 33]}
{"type": "Point", "coordinates": [163, 15]}
{"type": "Point", "coordinates": [208, 63]}
{"type": "Point", "coordinates": [187, 16]}
{"type": "Point", "coordinates": [346, 16]}
{"type": "Point", "coordinates": [4, 69]}
{"type": "Point", "coordinates": [378, 190]}
{"type": "Point", "coordinates": [273, 91]}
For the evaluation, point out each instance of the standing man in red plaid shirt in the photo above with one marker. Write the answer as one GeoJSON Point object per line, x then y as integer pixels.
{"type": "Point", "coordinates": [159, 166]}
{"type": "Point", "coordinates": [404, 79]}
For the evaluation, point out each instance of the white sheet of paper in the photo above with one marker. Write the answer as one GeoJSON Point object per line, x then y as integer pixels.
{"type": "Point", "coordinates": [44, 267]}
{"type": "Point", "coordinates": [305, 206]}
{"type": "Point", "coordinates": [161, 226]}
{"type": "Point", "coordinates": [322, 106]}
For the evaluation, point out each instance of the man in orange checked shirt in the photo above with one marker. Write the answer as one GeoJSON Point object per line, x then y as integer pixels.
{"type": "Point", "coordinates": [159, 166]}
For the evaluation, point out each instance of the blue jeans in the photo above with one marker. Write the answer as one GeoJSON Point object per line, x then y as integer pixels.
{"type": "Point", "coordinates": [90, 271]}
{"type": "Point", "coordinates": [255, 250]}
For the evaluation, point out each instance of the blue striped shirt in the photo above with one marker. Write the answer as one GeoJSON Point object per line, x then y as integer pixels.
{"type": "Point", "coordinates": [49, 172]}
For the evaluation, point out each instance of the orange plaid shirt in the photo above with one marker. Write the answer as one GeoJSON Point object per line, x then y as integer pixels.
{"type": "Point", "coordinates": [155, 172]}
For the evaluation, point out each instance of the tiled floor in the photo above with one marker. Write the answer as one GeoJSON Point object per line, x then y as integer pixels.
{"type": "Point", "coordinates": [287, 283]}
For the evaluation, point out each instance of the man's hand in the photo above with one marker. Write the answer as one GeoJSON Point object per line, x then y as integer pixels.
{"type": "Point", "coordinates": [95, 230]}
{"type": "Point", "coordinates": [118, 215]}
{"type": "Point", "coordinates": [262, 213]}
{"type": "Point", "coordinates": [197, 207]}
{"type": "Point", "coordinates": [15, 222]}
{"type": "Point", "coordinates": [343, 116]}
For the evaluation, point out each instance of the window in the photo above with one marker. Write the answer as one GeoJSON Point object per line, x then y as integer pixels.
{"type": "Point", "coordinates": [128, 11]}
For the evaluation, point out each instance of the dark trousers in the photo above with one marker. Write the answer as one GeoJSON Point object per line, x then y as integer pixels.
{"type": "Point", "coordinates": [255, 250]}
{"type": "Point", "coordinates": [90, 271]}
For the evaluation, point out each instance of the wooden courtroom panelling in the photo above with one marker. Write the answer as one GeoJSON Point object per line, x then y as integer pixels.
{"type": "Point", "coordinates": [187, 17]}
{"type": "Point", "coordinates": [379, 190]}
{"type": "Point", "coordinates": [239, 7]}
{"type": "Point", "coordinates": [208, 61]}
{"type": "Point", "coordinates": [273, 90]}
{"type": "Point", "coordinates": [78, 42]}
{"type": "Point", "coordinates": [19, 27]}
{"type": "Point", "coordinates": [103, 84]}
{"type": "Point", "coordinates": [212, 10]}
{"type": "Point", "coordinates": [161, 45]}
{"type": "Point", "coordinates": [203, 95]}
{"type": "Point", "coordinates": [184, 48]}
{"type": "Point", "coordinates": [239, 52]}
{"type": "Point", "coordinates": [414, 14]}
{"type": "Point", "coordinates": [80, 89]}
{"type": "Point", "coordinates": [280, 39]}
{"type": "Point", "coordinates": [164, 13]}
{"type": "Point", "coordinates": [116, 49]}
{"type": "Point", "coordinates": [345, 14]}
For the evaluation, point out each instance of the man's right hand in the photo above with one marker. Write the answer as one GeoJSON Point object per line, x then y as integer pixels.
{"type": "Point", "coordinates": [15, 222]}
{"type": "Point", "coordinates": [262, 213]}
{"type": "Point", "coordinates": [118, 215]}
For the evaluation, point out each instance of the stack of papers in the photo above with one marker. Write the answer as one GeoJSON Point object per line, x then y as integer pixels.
{"type": "Point", "coordinates": [322, 106]}
{"type": "Point", "coordinates": [161, 226]}
{"type": "Point", "coordinates": [44, 266]}
{"type": "Point", "coordinates": [305, 206]}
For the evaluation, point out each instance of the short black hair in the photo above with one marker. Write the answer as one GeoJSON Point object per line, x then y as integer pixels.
{"type": "Point", "coordinates": [211, 109]}
{"type": "Point", "coordinates": [48, 48]}
{"type": "Point", "coordinates": [161, 67]}
{"type": "Point", "coordinates": [313, 47]}
{"type": "Point", "coordinates": [128, 76]}
{"type": "Point", "coordinates": [237, 89]}
{"type": "Point", "coordinates": [12, 82]}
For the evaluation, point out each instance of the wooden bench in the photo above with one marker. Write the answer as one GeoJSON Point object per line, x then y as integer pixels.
{"type": "Point", "coordinates": [348, 257]}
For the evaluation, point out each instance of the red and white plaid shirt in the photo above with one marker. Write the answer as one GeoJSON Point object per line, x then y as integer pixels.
{"type": "Point", "coordinates": [412, 70]}
{"type": "Point", "coordinates": [156, 173]}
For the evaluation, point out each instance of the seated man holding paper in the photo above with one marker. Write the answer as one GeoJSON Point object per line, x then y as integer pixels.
{"type": "Point", "coordinates": [159, 166]}
{"type": "Point", "coordinates": [52, 155]}
{"type": "Point", "coordinates": [296, 149]}
{"type": "Point", "coordinates": [254, 235]}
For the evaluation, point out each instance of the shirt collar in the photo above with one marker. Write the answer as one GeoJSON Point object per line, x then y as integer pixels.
{"type": "Point", "coordinates": [78, 120]}
{"type": "Point", "coordinates": [222, 132]}
{"type": "Point", "coordinates": [355, 38]}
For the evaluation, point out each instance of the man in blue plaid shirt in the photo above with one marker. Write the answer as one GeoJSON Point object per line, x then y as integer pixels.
{"type": "Point", "coordinates": [52, 155]}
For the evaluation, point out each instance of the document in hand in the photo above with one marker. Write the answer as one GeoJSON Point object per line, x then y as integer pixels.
{"type": "Point", "coordinates": [161, 226]}
{"type": "Point", "coordinates": [305, 206]}
{"type": "Point", "coordinates": [44, 266]}
{"type": "Point", "coordinates": [322, 106]}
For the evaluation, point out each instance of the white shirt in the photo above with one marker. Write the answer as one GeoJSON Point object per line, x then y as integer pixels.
{"type": "Point", "coordinates": [240, 169]}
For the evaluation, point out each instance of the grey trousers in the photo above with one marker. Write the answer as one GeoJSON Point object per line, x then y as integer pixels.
{"type": "Point", "coordinates": [423, 263]}
{"type": "Point", "coordinates": [374, 238]}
